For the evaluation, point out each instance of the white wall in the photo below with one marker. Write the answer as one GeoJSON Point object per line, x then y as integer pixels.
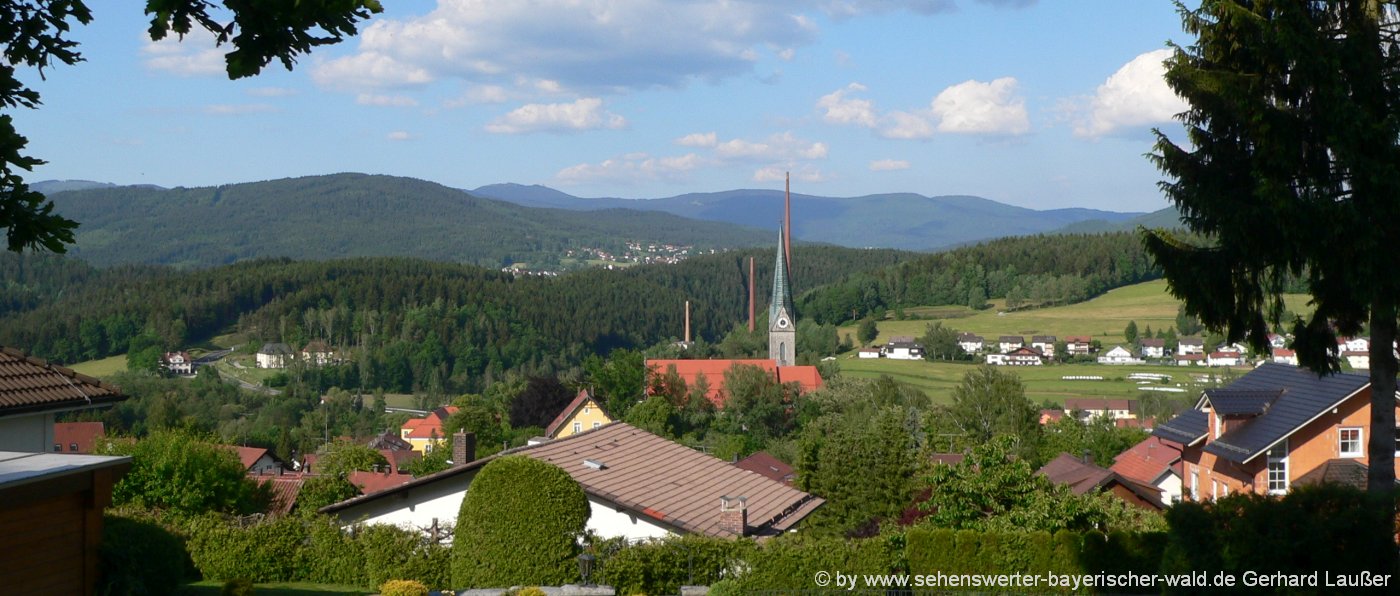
{"type": "Point", "coordinates": [1171, 488]}
{"type": "Point", "coordinates": [608, 522]}
{"type": "Point", "coordinates": [31, 433]}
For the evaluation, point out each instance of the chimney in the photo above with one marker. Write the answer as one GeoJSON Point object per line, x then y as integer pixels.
{"type": "Point", "coordinates": [734, 515]}
{"type": "Point", "coordinates": [687, 322]}
{"type": "Point", "coordinates": [463, 448]}
{"type": "Point", "coordinates": [751, 319]}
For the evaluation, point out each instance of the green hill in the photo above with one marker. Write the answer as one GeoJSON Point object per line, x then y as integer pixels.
{"type": "Point", "coordinates": [1162, 218]}
{"type": "Point", "coordinates": [356, 215]}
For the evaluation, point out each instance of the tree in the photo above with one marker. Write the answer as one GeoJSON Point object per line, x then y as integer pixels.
{"type": "Point", "coordinates": [941, 343]}
{"type": "Point", "coordinates": [863, 463]}
{"type": "Point", "coordinates": [618, 381]}
{"type": "Point", "coordinates": [182, 472]}
{"type": "Point", "coordinates": [341, 458]}
{"type": "Point", "coordinates": [1130, 333]}
{"type": "Point", "coordinates": [867, 331]}
{"type": "Point", "coordinates": [542, 400]}
{"type": "Point", "coordinates": [990, 403]}
{"type": "Point", "coordinates": [1291, 170]}
{"type": "Point", "coordinates": [35, 36]}
{"type": "Point", "coordinates": [519, 525]}
{"type": "Point", "coordinates": [324, 489]}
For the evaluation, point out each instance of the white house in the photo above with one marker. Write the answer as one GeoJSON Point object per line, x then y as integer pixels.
{"type": "Point", "coordinates": [869, 353]}
{"type": "Point", "coordinates": [275, 355]}
{"type": "Point", "coordinates": [639, 486]}
{"type": "Point", "coordinates": [971, 343]}
{"type": "Point", "coordinates": [1190, 345]}
{"type": "Point", "coordinates": [1079, 345]}
{"type": "Point", "coordinates": [1353, 344]}
{"type": "Point", "coordinates": [1225, 359]}
{"type": "Point", "coordinates": [178, 363]}
{"type": "Point", "coordinates": [1190, 359]}
{"type": "Point", "coordinates": [1277, 341]}
{"type": "Point", "coordinates": [1285, 356]}
{"type": "Point", "coordinates": [1007, 343]}
{"type": "Point", "coordinates": [1017, 357]}
{"type": "Point", "coordinates": [1119, 355]}
{"type": "Point", "coordinates": [1358, 360]}
{"type": "Point", "coordinates": [1154, 348]}
{"type": "Point", "coordinates": [1153, 462]}
{"type": "Point", "coordinates": [317, 353]}
{"type": "Point", "coordinates": [904, 348]}
{"type": "Point", "coordinates": [1045, 344]}
{"type": "Point", "coordinates": [1117, 409]}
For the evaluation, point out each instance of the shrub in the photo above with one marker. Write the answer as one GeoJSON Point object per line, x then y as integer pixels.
{"type": "Point", "coordinates": [519, 525]}
{"type": "Point", "coordinates": [790, 561]}
{"type": "Point", "coordinates": [237, 587]}
{"type": "Point", "coordinates": [403, 587]}
{"type": "Point", "coordinates": [266, 552]}
{"type": "Point", "coordinates": [530, 591]}
{"type": "Point", "coordinates": [663, 566]}
{"type": "Point", "coordinates": [141, 556]}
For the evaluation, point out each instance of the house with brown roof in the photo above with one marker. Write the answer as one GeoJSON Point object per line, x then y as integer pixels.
{"type": "Point", "coordinates": [764, 464]}
{"type": "Point", "coordinates": [638, 486]}
{"type": "Point", "coordinates": [1270, 430]}
{"type": "Point", "coordinates": [77, 437]}
{"type": "Point", "coordinates": [1153, 462]}
{"type": "Point", "coordinates": [1083, 477]}
{"type": "Point", "coordinates": [1079, 345]}
{"type": "Point", "coordinates": [317, 353]}
{"type": "Point", "coordinates": [425, 433]}
{"type": "Point", "coordinates": [690, 371]}
{"type": "Point", "coordinates": [258, 460]}
{"type": "Point", "coordinates": [1091, 407]}
{"type": "Point", "coordinates": [1153, 347]}
{"type": "Point", "coordinates": [33, 392]}
{"type": "Point", "coordinates": [1018, 357]}
{"type": "Point", "coordinates": [1007, 343]}
{"type": "Point", "coordinates": [583, 413]}
{"type": "Point", "coordinates": [179, 363]}
{"type": "Point", "coordinates": [1044, 343]}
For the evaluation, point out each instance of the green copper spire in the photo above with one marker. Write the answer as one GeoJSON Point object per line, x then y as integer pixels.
{"type": "Point", "coordinates": [782, 293]}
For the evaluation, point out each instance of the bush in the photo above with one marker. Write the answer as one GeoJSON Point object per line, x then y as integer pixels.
{"type": "Point", "coordinates": [266, 552]}
{"type": "Point", "coordinates": [141, 556]}
{"type": "Point", "coordinates": [519, 525]}
{"type": "Point", "coordinates": [663, 566]}
{"type": "Point", "coordinates": [790, 561]}
{"type": "Point", "coordinates": [237, 587]}
{"type": "Point", "coordinates": [403, 587]}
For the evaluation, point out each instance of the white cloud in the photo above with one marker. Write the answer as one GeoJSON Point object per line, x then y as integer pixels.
{"type": "Point", "coordinates": [698, 139]}
{"type": "Point", "coordinates": [847, 110]}
{"type": "Point", "coordinates": [781, 146]}
{"type": "Point", "coordinates": [853, 8]}
{"type": "Point", "coordinates": [195, 56]}
{"type": "Point", "coordinates": [238, 109]}
{"type": "Point", "coordinates": [1135, 96]}
{"type": "Point", "coordinates": [974, 107]}
{"type": "Point", "coordinates": [399, 135]}
{"type": "Point", "coordinates": [479, 94]}
{"type": "Point", "coordinates": [369, 70]}
{"type": "Point", "coordinates": [395, 101]}
{"type": "Point", "coordinates": [906, 125]}
{"type": "Point", "coordinates": [584, 114]}
{"type": "Point", "coordinates": [271, 92]}
{"type": "Point", "coordinates": [632, 167]}
{"type": "Point", "coordinates": [888, 165]}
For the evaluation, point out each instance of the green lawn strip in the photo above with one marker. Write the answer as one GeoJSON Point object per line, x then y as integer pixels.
{"type": "Point", "coordinates": [104, 367]}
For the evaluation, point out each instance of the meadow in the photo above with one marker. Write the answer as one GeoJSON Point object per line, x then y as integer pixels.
{"type": "Point", "coordinates": [104, 367]}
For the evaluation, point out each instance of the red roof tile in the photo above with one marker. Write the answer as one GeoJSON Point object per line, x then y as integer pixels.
{"type": "Point", "coordinates": [373, 482]}
{"type": "Point", "coordinates": [82, 434]}
{"type": "Point", "coordinates": [806, 377]}
{"type": "Point", "coordinates": [1147, 461]}
{"type": "Point", "coordinates": [250, 455]}
{"type": "Point", "coordinates": [764, 464]}
{"type": "Point", "coordinates": [285, 489]}
{"type": "Point", "coordinates": [33, 385]}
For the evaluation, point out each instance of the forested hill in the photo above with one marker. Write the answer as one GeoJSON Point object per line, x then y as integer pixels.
{"type": "Point", "coordinates": [411, 323]}
{"type": "Point", "coordinates": [355, 215]}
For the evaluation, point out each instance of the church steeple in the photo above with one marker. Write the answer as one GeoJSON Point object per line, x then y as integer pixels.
{"type": "Point", "coordinates": [782, 328]}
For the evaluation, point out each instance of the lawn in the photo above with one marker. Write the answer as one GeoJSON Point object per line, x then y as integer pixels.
{"type": "Point", "coordinates": [105, 367]}
{"type": "Point", "coordinates": [1043, 383]}
{"type": "Point", "coordinates": [214, 587]}
{"type": "Point", "coordinates": [1103, 318]}
{"type": "Point", "coordinates": [244, 367]}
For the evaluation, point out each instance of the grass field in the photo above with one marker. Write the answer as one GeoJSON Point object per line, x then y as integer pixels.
{"type": "Point", "coordinates": [248, 372]}
{"type": "Point", "coordinates": [1043, 383]}
{"type": "Point", "coordinates": [1103, 318]}
{"type": "Point", "coordinates": [105, 367]}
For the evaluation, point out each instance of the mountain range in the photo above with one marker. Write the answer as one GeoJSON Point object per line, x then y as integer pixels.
{"type": "Point", "coordinates": [353, 215]}
{"type": "Point", "coordinates": [900, 220]}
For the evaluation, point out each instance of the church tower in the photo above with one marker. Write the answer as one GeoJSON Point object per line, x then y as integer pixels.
{"type": "Point", "coordinates": [782, 328]}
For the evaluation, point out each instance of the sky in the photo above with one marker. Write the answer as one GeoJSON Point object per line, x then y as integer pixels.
{"type": "Point", "coordinates": [1036, 103]}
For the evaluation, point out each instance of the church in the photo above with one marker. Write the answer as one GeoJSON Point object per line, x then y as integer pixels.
{"type": "Point", "coordinates": [782, 337]}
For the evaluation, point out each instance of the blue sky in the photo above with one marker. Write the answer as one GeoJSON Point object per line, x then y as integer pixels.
{"type": "Point", "coordinates": [1042, 104]}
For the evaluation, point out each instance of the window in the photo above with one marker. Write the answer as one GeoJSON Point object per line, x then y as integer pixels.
{"type": "Point", "coordinates": [578, 427]}
{"type": "Point", "coordinates": [597, 424]}
{"type": "Point", "coordinates": [1397, 440]}
{"type": "Point", "coordinates": [587, 409]}
{"type": "Point", "coordinates": [1214, 489]}
{"type": "Point", "coordinates": [57, 448]}
{"type": "Point", "coordinates": [73, 447]}
{"type": "Point", "coordinates": [1278, 468]}
{"type": "Point", "coordinates": [1195, 482]}
{"type": "Point", "coordinates": [1349, 441]}
{"type": "Point", "coordinates": [1224, 489]}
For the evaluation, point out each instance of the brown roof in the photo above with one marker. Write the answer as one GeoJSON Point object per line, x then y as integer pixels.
{"type": "Point", "coordinates": [1147, 461]}
{"type": "Point", "coordinates": [1347, 472]}
{"type": "Point", "coordinates": [373, 482]}
{"type": "Point", "coordinates": [764, 464]}
{"type": "Point", "coordinates": [82, 434]}
{"type": "Point", "coordinates": [582, 398]}
{"type": "Point", "coordinates": [1082, 477]}
{"type": "Point", "coordinates": [651, 476]}
{"type": "Point", "coordinates": [284, 491]}
{"type": "Point", "coordinates": [30, 384]}
{"type": "Point", "coordinates": [949, 459]}
{"type": "Point", "coordinates": [389, 441]}
{"type": "Point", "coordinates": [398, 458]}
{"type": "Point", "coordinates": [250, 455]}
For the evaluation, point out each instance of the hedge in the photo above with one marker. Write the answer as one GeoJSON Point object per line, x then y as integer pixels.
{"type": "Point", "coordinates": [663, 566]}
{"type": "Point", "coordinates": [141, 556]}
{"type": "Point", "coordinates": [519, 525]}
{"type": "Point", "coordinates": [1065, 552]}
